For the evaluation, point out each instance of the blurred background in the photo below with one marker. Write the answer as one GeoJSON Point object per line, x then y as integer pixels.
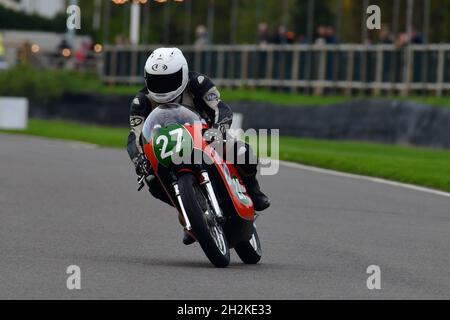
{"type": "Point", "coordinates": [311, 46]}
{"type": "Point", "coordinates": [346, 98]}
{"type": "Point", "coordinates": [310, 68]}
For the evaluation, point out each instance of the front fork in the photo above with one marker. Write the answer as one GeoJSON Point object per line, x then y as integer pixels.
{"type": "Point", "coordinates": [211, 196]}
{"type": "Point", "coordinates": [176, 189]}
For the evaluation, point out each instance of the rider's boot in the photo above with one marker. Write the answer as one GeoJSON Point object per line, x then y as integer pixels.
{"type": "Point", "coordinates": [188, 239]}
{"type": "Point", "coordinates": [260, 200]}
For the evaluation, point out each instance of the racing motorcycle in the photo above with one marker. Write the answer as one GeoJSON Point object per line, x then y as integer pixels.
{"type": "Point", "coordinates": [205, 188]}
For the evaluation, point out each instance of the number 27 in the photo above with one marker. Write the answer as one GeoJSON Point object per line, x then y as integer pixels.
{"type": "Point", "coordinates": [178, 133]}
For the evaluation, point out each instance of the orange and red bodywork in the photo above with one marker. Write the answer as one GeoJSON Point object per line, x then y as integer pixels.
{"type": "Point", "coordinates": [227, 171]}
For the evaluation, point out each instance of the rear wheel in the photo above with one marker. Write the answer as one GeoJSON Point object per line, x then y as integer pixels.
{"type": "Point", "coordinates": [205, 226]}
{"type": "Point", "coordinates": [250, 251]}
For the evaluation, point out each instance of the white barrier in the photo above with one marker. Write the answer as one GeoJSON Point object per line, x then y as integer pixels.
{"type": "Point", "coordinates": [13, 113]}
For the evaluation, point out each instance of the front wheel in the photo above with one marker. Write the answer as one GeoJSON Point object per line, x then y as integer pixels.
{"type": "Point", "coordinates": [250, 251]}
{"type": "Point", "coordinates": [205, 227]}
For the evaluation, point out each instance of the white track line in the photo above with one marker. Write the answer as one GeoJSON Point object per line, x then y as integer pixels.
{"type": "Point", "coordinates": [366, 178]}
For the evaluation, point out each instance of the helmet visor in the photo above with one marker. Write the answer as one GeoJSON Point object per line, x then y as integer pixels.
{"type": "Point", "coordinates": [164, 83]}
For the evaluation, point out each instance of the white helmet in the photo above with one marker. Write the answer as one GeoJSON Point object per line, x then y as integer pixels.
{"type": "Point", "coordinates": [166, 74]}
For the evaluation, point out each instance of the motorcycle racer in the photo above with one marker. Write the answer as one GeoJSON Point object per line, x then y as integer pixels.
{"type": "Point", "coordinates": [168, 80]}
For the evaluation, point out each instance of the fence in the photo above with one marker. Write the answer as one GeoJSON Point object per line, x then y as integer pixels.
{"type": "Point", "coordinates": [318, 69]}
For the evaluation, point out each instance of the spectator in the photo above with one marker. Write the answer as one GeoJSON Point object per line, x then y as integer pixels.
{"type": "Point", "coordinates": [263, 33]}
{"type": "Point", "coordinates": [64, 52]}
{"type": "Point", "coordinates": [301, 39]}
{"type": "Point", "coordinates": [417, 37]}
{"type": "Point", "coordinates": [280, 35]}
{"type": "Point", "coordinates": [202, 36]}
{"type": "Point", "coordinates": [330, 35]}
{"type": "Point", "coordinates": [81, 55]}
{"type": "Point", "coordinates": [122, 40]}
{"type": "Point", "coordinates": [321, 35]}
{"type": "Point", "coordinates": [402, 40]}
{"type": "Point", "coordinates": [385, 35]}
{"type": "Point", "coordinates": [290, 37]}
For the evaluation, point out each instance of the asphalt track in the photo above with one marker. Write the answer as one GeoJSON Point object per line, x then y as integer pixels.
{"type": "Point", "coordinates": [67, 204]}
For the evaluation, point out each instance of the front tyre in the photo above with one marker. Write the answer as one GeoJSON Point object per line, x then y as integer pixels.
{"type": "Point", "coordinates": [250, 251]}
{"type": "Point", "coordinates": [206, 229]}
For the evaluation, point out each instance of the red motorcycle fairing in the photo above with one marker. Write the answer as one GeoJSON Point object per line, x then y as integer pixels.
{"type": "Point", "coordinates": [228, 172]}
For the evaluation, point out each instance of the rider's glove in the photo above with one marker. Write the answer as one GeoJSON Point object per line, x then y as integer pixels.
{"type": "Point", "coordinates": [142, 165]}
{"type": "Point", "coordinates": [216, 133]}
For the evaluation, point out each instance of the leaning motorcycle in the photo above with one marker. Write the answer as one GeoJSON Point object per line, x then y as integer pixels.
{"type": "Point", "coordinates": [207, 190]}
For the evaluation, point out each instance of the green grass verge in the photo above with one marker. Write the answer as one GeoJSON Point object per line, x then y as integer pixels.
{"type": "Point", "coordinates": [44, 86]}
{"type": "Point", "coordinates": [420, 166]}
{"type": "Point", "coordinates": [73, 131]}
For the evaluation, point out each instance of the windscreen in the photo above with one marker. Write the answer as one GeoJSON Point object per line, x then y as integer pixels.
{"type": "Point", "coordinates": [165, 115]}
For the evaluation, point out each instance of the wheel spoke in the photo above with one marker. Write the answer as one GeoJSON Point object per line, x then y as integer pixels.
{"type": "Point", "coordinates": [217, 234]}
{"type": "Point", "coordinates": [214, 229]}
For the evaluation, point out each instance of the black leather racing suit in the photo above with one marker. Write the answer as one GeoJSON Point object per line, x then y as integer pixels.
{"type": "Point", "coordinates": [202, 96]}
